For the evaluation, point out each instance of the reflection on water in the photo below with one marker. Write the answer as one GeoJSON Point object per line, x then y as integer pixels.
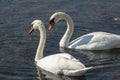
{"type": "Point", "coordinates": [97, 54]}
{"type": "Point", "coordinates": [43, 75]}
{"type": "Point", "coordinates": [104, 54]}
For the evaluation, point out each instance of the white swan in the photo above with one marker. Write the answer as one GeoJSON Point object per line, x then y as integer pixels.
{"type": "Point", "coordinates": [61, 63]}
{"type": "Point", "coordinates": [91, 41]}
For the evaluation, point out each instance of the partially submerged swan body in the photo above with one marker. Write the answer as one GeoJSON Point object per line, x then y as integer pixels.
{"type": "Point", "coordinates": [63, 64]}
{"type": "Point", "coordinates": [60, 63]}
{"type": "Point", "coordinates": [90, 41]}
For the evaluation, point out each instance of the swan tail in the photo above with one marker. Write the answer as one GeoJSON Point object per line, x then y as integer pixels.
{"type": "Point", "coordinates": [80, 72]}
{"type": "Point", "coordinates": [84, 70]}
{"type": "Point", "coordinates": [88, 68]}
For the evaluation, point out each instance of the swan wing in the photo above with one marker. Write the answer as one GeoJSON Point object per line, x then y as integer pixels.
{"type": "Point", "coordinates": [96, 41]}
{"type": "Point", "coordinates": [82, 40]}
{"type": "Point", "coordinates": [62, 64]}
{"type": "Point", "coordinates": [79, 72]}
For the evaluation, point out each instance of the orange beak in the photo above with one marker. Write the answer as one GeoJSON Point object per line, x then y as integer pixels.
{"type": "Point", "coordinates": [31, 30]}
{"type": "Point", "coordinates": [51, 25]}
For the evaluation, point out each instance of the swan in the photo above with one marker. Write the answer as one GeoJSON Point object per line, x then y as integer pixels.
{"type": "Point", "coordinates": [90, 41]}
{"type": "Point", "coordinates": [59, 63]}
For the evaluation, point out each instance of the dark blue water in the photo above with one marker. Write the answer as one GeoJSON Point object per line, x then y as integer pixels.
{"type": "Point", "coordinates": [17, 48]}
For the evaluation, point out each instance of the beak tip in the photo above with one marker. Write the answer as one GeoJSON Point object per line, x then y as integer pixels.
{"type": "Point", "coordinates": [29, 33]}
{"type": "Point", "coordinates": [31, 30]}
{"type": "Point", "coordinates": [50, 27]}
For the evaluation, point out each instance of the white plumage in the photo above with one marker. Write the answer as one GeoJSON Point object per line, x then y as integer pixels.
{"type": "Point", "coordinates": [62, 64]}
{"type": "Point", "coordinates": [96, 41]}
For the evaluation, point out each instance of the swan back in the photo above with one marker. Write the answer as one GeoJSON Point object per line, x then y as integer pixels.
{"type": "Point", "coordinates": [63, 63]}
{"type": "Point", "coordinates": [96, 41]}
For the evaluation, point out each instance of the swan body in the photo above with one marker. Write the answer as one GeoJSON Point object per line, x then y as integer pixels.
{"type": "Point", "coordinates": [96, 41]}
{"type": "Point", "coordinates": [60, 63]}
{"type": "Point", "coordinates": [90, 41]}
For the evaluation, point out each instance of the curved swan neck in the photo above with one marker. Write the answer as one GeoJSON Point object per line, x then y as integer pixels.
{"type": "Point", "coordinates": [64, 42]}
{"type": "Point", "coordinates": [40, 49]}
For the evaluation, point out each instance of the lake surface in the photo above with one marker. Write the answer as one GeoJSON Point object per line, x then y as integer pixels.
{"type": "Point", "coordinates": [17, 48]}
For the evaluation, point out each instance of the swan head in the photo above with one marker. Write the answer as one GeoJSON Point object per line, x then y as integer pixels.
{"type": "Point", "coordinates": [35, 25]}
{"type": "Point", "coordinates": [55, 18]}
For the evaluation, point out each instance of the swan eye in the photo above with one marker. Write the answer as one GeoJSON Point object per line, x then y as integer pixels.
{"type": "Point", "coordinates": [52, 21]}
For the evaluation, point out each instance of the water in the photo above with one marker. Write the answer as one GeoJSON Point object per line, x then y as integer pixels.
{"type": "Point", "coordinates": [17, 48]}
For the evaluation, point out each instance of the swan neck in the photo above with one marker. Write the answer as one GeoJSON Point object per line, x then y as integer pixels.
{"type": "Point", "coordinates": [40, 49]}
{"type": "Point", "coordinates": [64, 42]}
